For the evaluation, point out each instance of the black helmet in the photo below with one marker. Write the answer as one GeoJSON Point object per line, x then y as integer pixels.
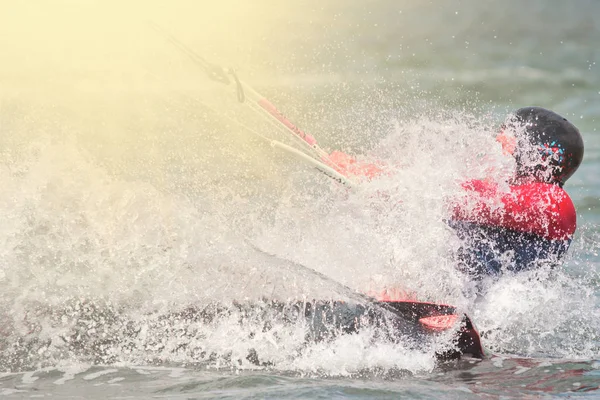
{"type": "Point", "coordinates": [549, 148]}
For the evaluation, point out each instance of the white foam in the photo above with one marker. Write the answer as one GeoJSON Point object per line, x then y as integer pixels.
{"type": "Point", "coordinates": [100, 373]}
{"type": "Point", "coordinates": [28, 378]}
{"type": "Point", "coordinates": [521, 370]}
{"type": "Point", "coordinates": [8, 392]}
{"type": "Point", "coordinates": [70, 372]}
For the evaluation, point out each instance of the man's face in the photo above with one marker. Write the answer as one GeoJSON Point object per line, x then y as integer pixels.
{"type": "Point", "coordinates": [508, 141]}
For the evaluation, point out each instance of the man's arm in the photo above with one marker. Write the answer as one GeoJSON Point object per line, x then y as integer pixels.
{"type": "Point", "coordinates": [539, 208]}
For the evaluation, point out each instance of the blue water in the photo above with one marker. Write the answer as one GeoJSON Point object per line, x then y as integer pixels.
{"type": "Point", "coordinates": [130, 193]}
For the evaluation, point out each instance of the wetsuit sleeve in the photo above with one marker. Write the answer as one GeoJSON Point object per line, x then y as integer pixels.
{"type": "Point", "coordinates": [349, 166]}
{"type": "Point", "coordinates": [539, 208]}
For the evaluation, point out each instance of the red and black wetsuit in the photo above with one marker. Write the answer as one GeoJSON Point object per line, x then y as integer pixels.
{"type": "Point", "coordinates": [530, 224]}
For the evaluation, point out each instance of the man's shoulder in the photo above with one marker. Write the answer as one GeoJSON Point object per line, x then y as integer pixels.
{"type": "Point", "coordinates": [554, 202]}
{"type": "Point", "coordinates": [547, 192]}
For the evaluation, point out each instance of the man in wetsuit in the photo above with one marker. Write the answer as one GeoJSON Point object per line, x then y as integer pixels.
{"type": "Point", "coordinates": [532, 222]}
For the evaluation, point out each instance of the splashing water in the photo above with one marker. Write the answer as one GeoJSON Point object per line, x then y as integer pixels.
{"type": "Point", "coordinates": [100, 266]}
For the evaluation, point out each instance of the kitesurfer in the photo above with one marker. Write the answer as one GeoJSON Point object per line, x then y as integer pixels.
{"type": "Point", "coordinates": [533, 222]}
